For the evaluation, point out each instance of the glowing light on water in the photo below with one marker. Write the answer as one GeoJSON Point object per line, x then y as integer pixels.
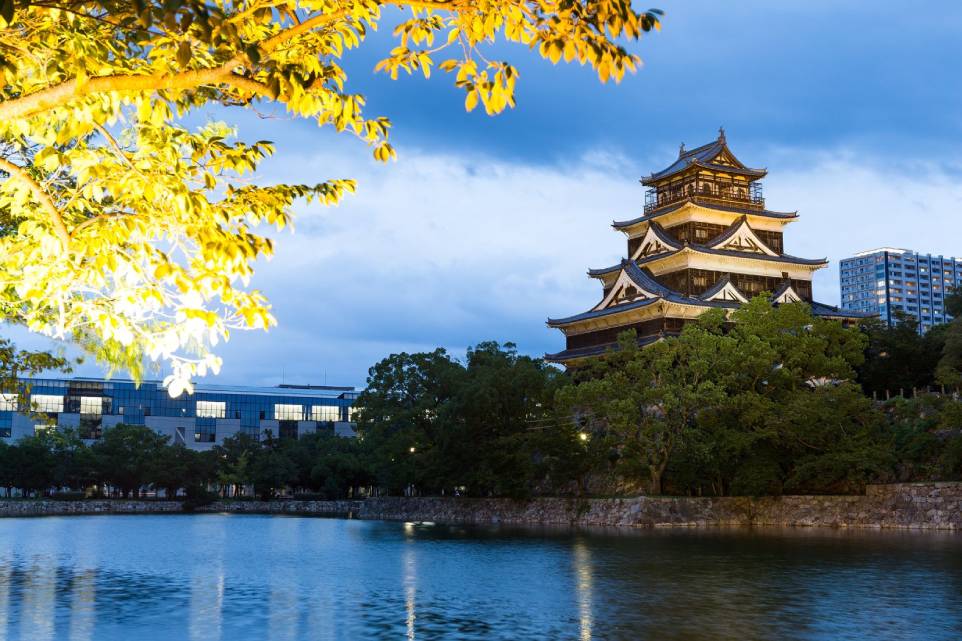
{"type": "Point", "coordinates": [410, 587]}
{"type": "Point", "coordinates": [583, 585]}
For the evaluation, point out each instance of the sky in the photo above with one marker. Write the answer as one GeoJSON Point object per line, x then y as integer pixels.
{"type": "Point", "coordinates": [484, 227]}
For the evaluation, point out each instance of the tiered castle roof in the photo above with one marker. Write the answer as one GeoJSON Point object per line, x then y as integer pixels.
{"type": "Point", "coordinates": [705, 241]}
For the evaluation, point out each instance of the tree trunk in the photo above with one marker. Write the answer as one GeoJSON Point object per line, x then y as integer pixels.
{"type": "Point", "coordinates": [655, 483]}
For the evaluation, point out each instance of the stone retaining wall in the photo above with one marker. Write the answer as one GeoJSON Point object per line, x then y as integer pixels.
{"type": "Point", "coordinates": [908, 506]}
{"type": "Point", "coordinates": [934, 506]}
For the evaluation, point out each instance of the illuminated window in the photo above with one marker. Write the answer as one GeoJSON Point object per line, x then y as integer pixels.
{"type": "Point", "coordinates": [91, 405]}
{"type": "Point", "coordinates": [325, 413]}
{"type": "Point", "coordinates": [284, 412]}
{"type": "Point", "coordinates": [211, 409]}
{"type": "Point", "coordinates": [351, 411]}
{"type": "Point", "coordinates": [8, 402]}
{"type": "Point", "coordinates": [46, 403]}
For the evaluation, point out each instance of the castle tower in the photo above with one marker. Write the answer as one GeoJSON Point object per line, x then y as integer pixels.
{"type": "Point", "coordinates": [705, 240]}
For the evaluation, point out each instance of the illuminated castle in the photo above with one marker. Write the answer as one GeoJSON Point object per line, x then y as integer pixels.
{"type": "Point", "coordinates": [705, 240]}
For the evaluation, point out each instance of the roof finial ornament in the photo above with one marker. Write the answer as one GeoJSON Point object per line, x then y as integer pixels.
{"type": "Point", "coordinates": [681, 150]}
{"type": "Point", "coordinates": [721, 134]}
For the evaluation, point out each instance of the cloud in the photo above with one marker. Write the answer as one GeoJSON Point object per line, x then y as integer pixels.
{"type": "Point", "coordinates": [449, 250]}
{"type": "Point", "coordinates": [452, 249]}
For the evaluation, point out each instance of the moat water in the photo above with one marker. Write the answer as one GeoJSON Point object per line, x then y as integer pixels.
{"type": "Point", "coordinates": [239, 578]}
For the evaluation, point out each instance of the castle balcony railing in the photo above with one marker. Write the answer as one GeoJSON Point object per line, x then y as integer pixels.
{"type": "Point", "coordinates": [735, 197]}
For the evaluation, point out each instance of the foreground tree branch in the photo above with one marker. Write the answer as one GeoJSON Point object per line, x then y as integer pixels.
{"type": "Point", "coordinates": [143, 246]}
{"type": "Point", "coordinates": [43, 198]}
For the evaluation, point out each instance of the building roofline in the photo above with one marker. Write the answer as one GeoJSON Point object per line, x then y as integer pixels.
{"type": "Point", "coordinates": [763, 213]}
{"type": "Point", "coordinates": [314, 391]}
{"type": "Point", "coordinates": [891, 250]}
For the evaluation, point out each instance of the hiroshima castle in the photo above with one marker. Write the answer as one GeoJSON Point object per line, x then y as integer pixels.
{"type": "Point", "coordinates": [705, 241]}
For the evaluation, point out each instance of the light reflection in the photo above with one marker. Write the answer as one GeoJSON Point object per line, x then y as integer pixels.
{"type": "Point", "coordinates": [207, 586]}
{"type": "Point", "coordinates": [39, 598]}
{"type": "Point", "coordinates": [83, 605]}
{"type": "Point", "coordinates": [206, 604]}
{"type": "Point", "coordinates": [584, 581]}
{"type": "Point", "coordinates": [410, 583]}
{"type": "Point", "coordinates": [283, 606]}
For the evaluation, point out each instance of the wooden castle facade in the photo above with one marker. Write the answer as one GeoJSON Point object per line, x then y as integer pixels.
{"type": "Point", "coordinates": [705, 240]}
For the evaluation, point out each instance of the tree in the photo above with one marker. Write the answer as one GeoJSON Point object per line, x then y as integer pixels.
{"type": "Point", "coordinates": [644, 400]}
{"type": "Point", "coordinates": [235, 457]}
{"type": "Point", "coordinates": [949, 368]}
{"type": "Point", "coordinates": [403, 412]}
{"type": "Point", "coordinates": [271, 469]}
{"type": "Point", "coordinates": [835, 440]}
{"type": "Point", "coordinates": [707, 403]}
{"type": "Point", "coordinates": [136, 235]}
{"type": "Point", "coordinates": [73, 463]}
{"type": "Point", "coordinates": [178, 468]}
{"type": "Point", "coordinates": [127, 455]}
{"type": "Point", "coordinates": [8, 474]}
{"type": "Point", "coordinates": [335, 467]}
{"type": "Point", "coordinates": [486, 426]}
{"type": "Point", "coordinates": [899, 358]}
{"type": "Point", "coordinates": [33, 464]}
{"type": "Point", "coordinates": [505, 413]}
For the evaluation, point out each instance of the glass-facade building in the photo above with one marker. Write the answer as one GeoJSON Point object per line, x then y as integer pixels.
{"type": "Point", "coordinates": [199, 420]}
{"type": "Point", "coordinates": [888, 281]}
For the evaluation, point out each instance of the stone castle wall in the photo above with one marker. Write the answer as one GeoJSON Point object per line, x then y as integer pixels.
{"type": "Point", "coordinates": [930, 506]}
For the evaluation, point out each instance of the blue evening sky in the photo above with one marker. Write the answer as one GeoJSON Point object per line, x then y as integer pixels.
{"type": "Point", "coordinates": [485, 226]}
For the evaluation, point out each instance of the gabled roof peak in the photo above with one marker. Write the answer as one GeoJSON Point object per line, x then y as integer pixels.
{"type": "Point", "coordinates": [704, 156]}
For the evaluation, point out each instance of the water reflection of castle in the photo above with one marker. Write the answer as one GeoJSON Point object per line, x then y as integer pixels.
{"type": "Point", "coordinates": [705, 241]}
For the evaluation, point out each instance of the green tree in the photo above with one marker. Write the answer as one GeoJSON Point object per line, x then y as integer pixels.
{"type": "Point", "coordinates": [835, 439]}
{"type": "Point", "coordinates": [126, 457]}
{"type": "Point", "coordinates": [271, 469]}
{"type": "Point", "coordinates": [403, 412]}
{"type": "Point", "coordinates": [643, 401]}
{"type": "Point", "coordinates": [73, 463]}
{"type": "Point", "coordinates": [705, 405]}
{"type": "Point", "coordinates": [337, 469]}
{"type": "Point", "coordinates": [898, 358]}
{"type": "Point", "coordinates": [137, 235]}
{"type": "Point", "coordinates": [8, 473]}
{"type": "Point", "coordinates": [179, 468]}
{"type": "Point", "coordinates": [949, 368]}
{"type": "Point", "coordinates": [33, 464]}
{"type": "Point", "coordinates": [235, 457]}
{"type": "Point", "coordinates": [487, 425]}
{"type": "Point", "coordinates": [504, 409]}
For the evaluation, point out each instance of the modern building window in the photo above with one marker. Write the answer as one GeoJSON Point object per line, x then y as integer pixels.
{"type": "Point", "coordinates": [91, 405]}
{"type": "Point", "coordinates": [285, 412]}
{"type": "Point", "coordinates": [47, 403]}
{"type": "Point", "coordinates": [204, 437]}
{"type": "Point", "coordinates": [211, 409]}
{"type": "Point", "coordinates": [8, 402]}
{"type": "Point", "coordinates": [325, 413]}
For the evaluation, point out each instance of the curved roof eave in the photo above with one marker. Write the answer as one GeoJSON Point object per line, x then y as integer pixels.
{"type": "Point", "coordinates": [702, 249]}
{"type": "Point", "coordinates": [558, 322]}
{"type": "Point", "coordinates": [764, 213]}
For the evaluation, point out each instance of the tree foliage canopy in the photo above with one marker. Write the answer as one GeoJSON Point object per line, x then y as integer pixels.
{"type": "Point", "coordinates": [134, 234]}
{"type": "Point", "coordinates": [487, 426]}
{"type": "Point", "coordinates": [747, 401]}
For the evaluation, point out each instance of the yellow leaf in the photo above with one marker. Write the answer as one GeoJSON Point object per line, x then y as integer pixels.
{"type": "Point", "coordinates": [471, 100]}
